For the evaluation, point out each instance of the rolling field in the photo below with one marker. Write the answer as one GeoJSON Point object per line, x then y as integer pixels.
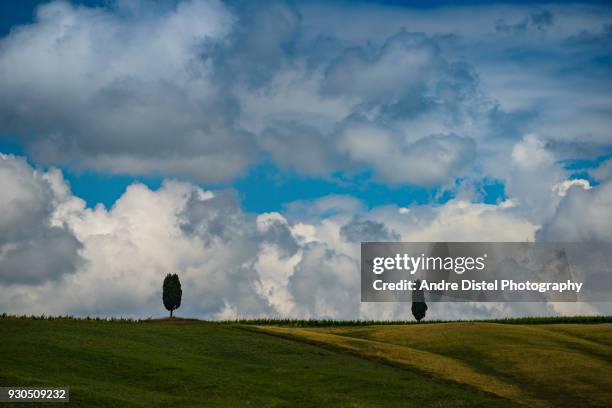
{"type": "Point", "coordinates": [193, 363]}
{"type": "Point", "coordinates": [531, 364]}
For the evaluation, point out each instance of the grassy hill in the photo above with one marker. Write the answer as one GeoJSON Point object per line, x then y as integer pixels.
{"type": "Point", "coordinates": [531, 364]}
{"type": "Point", "coordinates": [193, 363]}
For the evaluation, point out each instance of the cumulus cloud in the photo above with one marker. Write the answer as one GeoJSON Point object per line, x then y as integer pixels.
{"type": "Point", "coordinates": [122, 90]}
{"type": "Point", "coordinates": [232, 263]}
{"type": "Point", "coordinates": [582, 215]}
{"type": "Point", "coordinates": [367, 231]}
{"type": "Point", "coordinates": [430, 160]}
{"type": "Point", "coordinates": [33, 248]}
{"type": "Point", "coordinates": [394, 71]}
{"type": "Point", "coordinates": [530, 171]}
{"type": "Point", "coordinates": [202, 90]}
{"type": "Point", "coordinates": [603, 171]}
{"type": "Point", "coordinates": [221, 254]}
{"type": "Point", "coordinates": [563, 187]}
{"type": "Point", "coordinates": [300, 263]}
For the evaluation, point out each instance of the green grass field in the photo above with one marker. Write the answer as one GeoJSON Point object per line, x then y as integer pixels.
{"type": "Point", "coordinates": [531, 364]}
{"type": "Point", "coordinates": [192, 363]}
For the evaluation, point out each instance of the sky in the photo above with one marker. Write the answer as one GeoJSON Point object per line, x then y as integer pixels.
{"type": "Point", "coordinates": [250, 146]}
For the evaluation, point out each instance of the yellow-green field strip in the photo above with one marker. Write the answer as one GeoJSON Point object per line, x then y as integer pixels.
{"type": "Point", "coordinates": [392, 345]}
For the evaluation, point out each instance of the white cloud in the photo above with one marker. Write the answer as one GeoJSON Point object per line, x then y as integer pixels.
{"type": "Point", "coordinates": [531, 153]}
{"type": "Point", "coordinates": [430, 160]}
{"type": "Point", "coordinates": [565, 185]}
{"type": "Point", "coordinates": [304, 263]}
{"type": "Point", "coordinates": [529, 172]}
{"type": "Point", "coordinates": [33, 249]}
{"type": "Point", "coordinates": [122, 90]}
{"type": "Point", "coordinates": [603, 171]}
{"type": "Point", "coordinates": [582, 215]}
{"type": "Point", "coordinates": [232, 264]}
{"type": "Point", "coordinates": [202, 91]}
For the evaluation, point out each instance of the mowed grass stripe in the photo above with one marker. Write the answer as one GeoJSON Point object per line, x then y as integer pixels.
{"type": "Point", "coordinates": [552, 362]}
{"type": "Point", "coordinates": [430, 363]}
{"type": "Point", "coordinates": [198, 364]}
{"type": "Point", "coordinates": [555, 365]}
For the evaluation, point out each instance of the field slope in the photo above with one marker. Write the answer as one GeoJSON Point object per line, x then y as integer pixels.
{"type": "Point", "coordinates": [195, 364]}
{"type": "Point", "coordinates": [534, 365]}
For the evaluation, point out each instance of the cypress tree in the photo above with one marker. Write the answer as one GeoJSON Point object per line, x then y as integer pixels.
{"type": "Point", "coordinates": [172, 292]}
{"type": "Point", "coordinates": [419, 307]}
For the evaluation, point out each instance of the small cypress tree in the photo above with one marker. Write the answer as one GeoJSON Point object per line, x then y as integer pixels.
{"type": "Point", "coordinates": [172, 292]}
{"type": "Point", "coordinates": [419, 307]}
